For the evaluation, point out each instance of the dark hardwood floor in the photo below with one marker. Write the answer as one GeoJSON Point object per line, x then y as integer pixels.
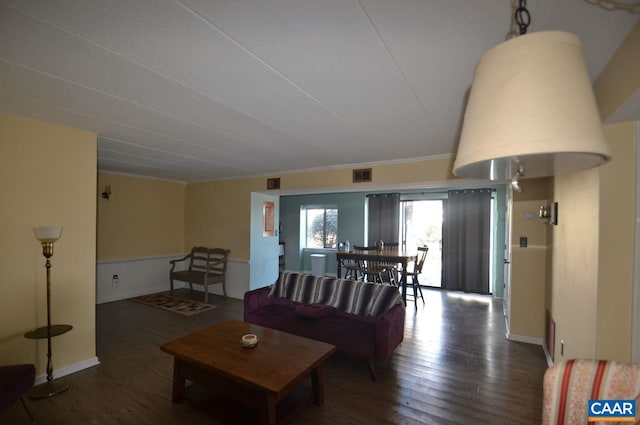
{"type": "Point", "coordinates": [454, 366]}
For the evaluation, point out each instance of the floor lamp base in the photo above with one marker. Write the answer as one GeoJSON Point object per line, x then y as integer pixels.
{"type": "Point", "coordinates": [49, 389]}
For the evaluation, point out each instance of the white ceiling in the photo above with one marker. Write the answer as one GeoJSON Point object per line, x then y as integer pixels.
{"type": "Point", "coordinates": [196, 90]}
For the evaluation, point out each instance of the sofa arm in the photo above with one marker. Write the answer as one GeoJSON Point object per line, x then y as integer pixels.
{"type": "Point", "coordinates": [255, 299]}
{"type": "Point", "coordinates": [389, 332]}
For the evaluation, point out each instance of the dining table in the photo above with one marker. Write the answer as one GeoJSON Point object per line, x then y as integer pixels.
{"type": "Point", "coordinates": [400, 257]}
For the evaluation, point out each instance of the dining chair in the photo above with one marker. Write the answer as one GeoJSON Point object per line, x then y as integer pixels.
{"type": "Point", "coordinates": [351, 267]}
{"type": "Point", "coordinates": [413, 274]}
{"type": "Point", "coordinates": [373, 270]}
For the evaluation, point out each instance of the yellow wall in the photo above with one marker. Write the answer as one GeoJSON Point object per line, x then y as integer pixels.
{"type": "Point", "coordinates": [528, 270]}
{"type": "Point", "coordinates": [432, 170]}
{"type": "Point", "coordinates": [621, 77]}
{"type": "Point", "coordinates": [47, 177]}
{"type": "Point", "coordinates": [616, 249]}
{"type": "Point", "coordinates": [219, 213]}
{"type": "Point", "coordinates": [142, 218]}
{"type": "Point", "coordinates": [593, 248]}
{"type": "Point", "coordinates": [575, 263]}
{"type": "Point", "coordinates": [530, 267]}
{"type": "Point", "coordinates": [592, 276]}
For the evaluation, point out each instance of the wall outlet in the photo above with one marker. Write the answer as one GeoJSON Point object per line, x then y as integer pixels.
{"type": "Point", "coordinates": [524, 241]}
{"type": "Point", "coordinates": [115, 282]}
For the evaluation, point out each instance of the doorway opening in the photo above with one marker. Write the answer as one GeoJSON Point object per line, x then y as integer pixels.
{"type": "Point", "coordinates": [421, 224]}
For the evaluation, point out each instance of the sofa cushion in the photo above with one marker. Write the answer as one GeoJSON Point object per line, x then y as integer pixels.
{"type": "Point", "coordinates": [314, 311]}
{"type": "Point", "coordinates": [353, 296]}
{"type": "Point", "coordinates": [351, 334]}
{"type": "Point", "coordinates": [349, 296]}
{"type": "Point", "coordinates": [298, 287]}
{"type": "Point", "coordinates": [326, 291]}
{"type": "Point", "coordinates": [304, 289]}
{"type": "Point", "coordinates": [383, 299]}
{"type": "Point", "coordinates": [279, 288]}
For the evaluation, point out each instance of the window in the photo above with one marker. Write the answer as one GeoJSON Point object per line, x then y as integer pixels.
{"type": "Point", "coordinates": [321, 227]}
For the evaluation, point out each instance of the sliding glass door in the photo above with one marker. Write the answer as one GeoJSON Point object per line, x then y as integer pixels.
{"type": "Point", "coordinates": [422, 225]}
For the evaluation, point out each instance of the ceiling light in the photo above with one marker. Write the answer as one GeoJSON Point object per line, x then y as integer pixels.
{"type": "Point", "coordinates": [532, 105]}
{"type": "Point", "coordinates": [515, 181]}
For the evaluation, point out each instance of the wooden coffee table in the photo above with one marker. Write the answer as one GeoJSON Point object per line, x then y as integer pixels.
{"type": "Point", "coordinates": [258, 378]}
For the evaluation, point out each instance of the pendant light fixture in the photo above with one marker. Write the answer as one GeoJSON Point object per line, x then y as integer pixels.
{"type": "Point", "coordinates": [531, 110]}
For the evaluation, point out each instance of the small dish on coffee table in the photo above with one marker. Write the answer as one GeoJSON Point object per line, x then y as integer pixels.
{"type": "Point", "coordinates": [249, 340]}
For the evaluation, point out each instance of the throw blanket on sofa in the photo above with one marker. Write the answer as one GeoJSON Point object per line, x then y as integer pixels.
{"type": "Point", "coordinates": [349, 296]}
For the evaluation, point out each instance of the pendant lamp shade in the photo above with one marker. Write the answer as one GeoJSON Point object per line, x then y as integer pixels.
{"type": "Point", "coordinates": [531, 109]}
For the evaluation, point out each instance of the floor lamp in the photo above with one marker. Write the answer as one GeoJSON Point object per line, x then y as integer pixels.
{"type": "Point", "coordinates": [47, 236]}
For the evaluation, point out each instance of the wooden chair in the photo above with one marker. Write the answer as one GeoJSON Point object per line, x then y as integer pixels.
{"type": "Point", "coordinates": [352, 269]}
{"type": "Point", "coordinates": [391, 267]}
{"type": "Point", "coordinates": [206, 266]}
{"type": "Point", "coordinates": [15, 382]}
{"type": "Point", "coordinates": [415, 284]}
{"type": "Point", "coordinates": [373, 270]}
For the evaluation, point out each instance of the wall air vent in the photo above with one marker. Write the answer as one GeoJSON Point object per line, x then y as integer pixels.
{"type": "Point", "coordinates": [362, 175]}
{"type": "Point", "coordinates": [273, 183]}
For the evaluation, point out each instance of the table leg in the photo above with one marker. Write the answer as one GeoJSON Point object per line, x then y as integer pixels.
{"type": "Point", "coordinates": [339, 268]}
{"type": "Point", "coordinates": [403, 282]}
{"type": "Point", "coordinates": [268, 412]}
{"type": "Point", "coordinates": [177, 395]}
{"type": "Point", "coordinates": [317, 386]}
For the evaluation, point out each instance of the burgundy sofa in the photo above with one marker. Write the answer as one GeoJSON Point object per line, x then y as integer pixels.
{"type": "Point", "coordinates": [362, 319]}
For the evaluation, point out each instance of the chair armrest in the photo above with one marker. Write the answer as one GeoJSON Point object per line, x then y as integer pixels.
{"type": "Point", "coordinates": [256, 298]}
{"type": "Point", "coordinates": [174, 262]}
{"type": "Point", "coordinates": [389, 331]}
{"type": "Point", "coordinates": [186, 257]}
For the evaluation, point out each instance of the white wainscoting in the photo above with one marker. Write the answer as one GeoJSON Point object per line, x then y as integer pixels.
{"type": "Point", "coordinates": [148, 275]}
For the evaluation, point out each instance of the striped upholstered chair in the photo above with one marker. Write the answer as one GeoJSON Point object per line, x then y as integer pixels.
{"type": "Point", "coordinates": [569, 385]}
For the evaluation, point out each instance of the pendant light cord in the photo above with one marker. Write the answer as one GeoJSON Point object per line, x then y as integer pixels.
{"type": "Point", "coordinates": [523, 19]}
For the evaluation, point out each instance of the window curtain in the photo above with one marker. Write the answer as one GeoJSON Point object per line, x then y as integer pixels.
{"type": "Point", "coordinates": [466, 240]}
{"type": "Point", "coordinates": [384, 216]}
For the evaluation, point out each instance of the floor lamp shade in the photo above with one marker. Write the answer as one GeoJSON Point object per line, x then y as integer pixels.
{"type": "Point", "coordinates": [531, 107]}
{"type": "Point", "coordinates": [47, 233]}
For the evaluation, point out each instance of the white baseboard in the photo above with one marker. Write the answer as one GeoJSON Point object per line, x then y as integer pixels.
{"type": "Point", "coordinates": [68, 370]}
{"type": "Point", "coordinates": [547, 355]}
{"type": "Point", "coordinates": [524, 338]}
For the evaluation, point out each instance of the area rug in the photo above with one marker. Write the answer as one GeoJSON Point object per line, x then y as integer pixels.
{"type": "Point", "coordinates": [176, 305]}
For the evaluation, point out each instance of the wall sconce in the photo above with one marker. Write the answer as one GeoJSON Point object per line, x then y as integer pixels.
{"type": "Point", "coordinates": [549, 213]}
{"type": "Point", "coordinates": [107, 192]}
